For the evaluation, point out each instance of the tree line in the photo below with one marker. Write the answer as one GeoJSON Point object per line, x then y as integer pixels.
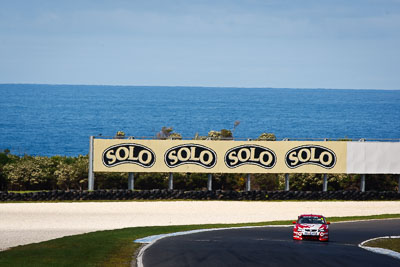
{"type": "Point", "coordinates": [66, 173]}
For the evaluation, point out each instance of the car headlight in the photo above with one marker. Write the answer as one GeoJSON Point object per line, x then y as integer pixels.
{"type": "Point", "coordinates": [322, 230]}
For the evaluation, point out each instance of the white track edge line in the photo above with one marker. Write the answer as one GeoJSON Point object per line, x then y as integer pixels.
{"type": "Point", "coordinates": [383, 251]}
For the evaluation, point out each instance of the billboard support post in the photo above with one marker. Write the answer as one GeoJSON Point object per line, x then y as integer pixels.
{"type": "Point", "coordinates": [91, 173]}
{"type": "Point", "coordinates": [286, 181]}
{"type": "Point", "coordinates": [171, 181]}
{"type": "Point", "coordinates": [325, 184]}
{"type": "Point", "coordinates": [209, 182]}
{"type": "Point", "coordinates": [398, 190]}
{"type": "Point", "coordinates": [362, 184]}
{"type": "Point", "coordinates": [131, 181]}
{"type": "Point", "coordinates": [248, 183]}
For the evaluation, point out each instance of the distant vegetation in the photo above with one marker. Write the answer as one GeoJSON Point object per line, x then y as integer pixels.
{"type": "Point", "coordinates": [60, 172]}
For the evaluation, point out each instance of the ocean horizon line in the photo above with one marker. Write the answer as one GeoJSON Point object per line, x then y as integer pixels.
{"type": "Point", "coordinates": [200, 86]}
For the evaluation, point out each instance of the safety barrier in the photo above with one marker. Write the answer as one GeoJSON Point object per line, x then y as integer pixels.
{"type": "Point", "coordinates": [165, 194]}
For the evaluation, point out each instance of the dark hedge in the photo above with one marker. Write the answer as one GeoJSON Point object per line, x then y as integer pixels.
{"type": "Point", "coordinates": [158, 194]}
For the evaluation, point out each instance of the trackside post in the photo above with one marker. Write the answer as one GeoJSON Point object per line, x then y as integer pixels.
{"type": "Point", "coordinates": [248, 183]}
{"type": "Point", "coordinates": [131, 181]}
{"type": "Point", "coordinates": [362, 184]}
{"type": "Point", "coordinates": [325, 184]}
{"type": "Point", "coordinates": [398, 189]}
{"type": "Point", "coordinates": [286, 181]}
{"type": "Point", "coordinates": [171, 181]}
{"type": "Point", "coordinates": [91, 173]}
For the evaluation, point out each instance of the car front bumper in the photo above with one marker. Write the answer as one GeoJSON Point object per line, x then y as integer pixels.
{"type": "Point", "coordinates": [321, 236]}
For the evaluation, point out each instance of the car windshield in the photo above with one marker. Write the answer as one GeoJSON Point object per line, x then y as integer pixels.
{"type": "Point", "coordinates": [312, 219]}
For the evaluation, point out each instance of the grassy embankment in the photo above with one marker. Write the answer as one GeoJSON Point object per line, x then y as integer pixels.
{"type": "Point", "coordinates": [388, 243]}
{"type": "Point", "coordinates": [113, 247]}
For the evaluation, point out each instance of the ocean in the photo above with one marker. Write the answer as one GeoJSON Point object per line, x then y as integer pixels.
{"type": "Point", "coordinates": [58, 119]}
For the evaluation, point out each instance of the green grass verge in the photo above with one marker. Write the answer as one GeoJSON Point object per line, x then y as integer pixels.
{"type": "Point", "coordinates": [356, 218]}
{"type": "Point", "coordinates": [113, 247]}
{"type": "Point", "coordinates": [388, 243]}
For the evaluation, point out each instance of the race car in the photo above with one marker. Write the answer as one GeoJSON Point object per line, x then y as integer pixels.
{"type": "Point", "coordinates": [310, 226]}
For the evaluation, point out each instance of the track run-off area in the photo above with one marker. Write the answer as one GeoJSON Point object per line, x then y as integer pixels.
{"type": "Point", "coordinates": [25, 223]}
{"type": "Point", "coordinates": [272, 246]}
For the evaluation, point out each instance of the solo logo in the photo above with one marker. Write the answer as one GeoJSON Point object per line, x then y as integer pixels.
{"type": "Point", "coordinates": [250, 154]}
{"type": "Point", "coordinates": [129, 153]}
{"type": "Point", "coordinates": [190, 154]}
{"type": "Point", "coordinates": [310, 154]}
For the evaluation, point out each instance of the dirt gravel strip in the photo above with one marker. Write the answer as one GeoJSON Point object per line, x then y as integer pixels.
{"type": "Point", "coordinates": [24, 223]}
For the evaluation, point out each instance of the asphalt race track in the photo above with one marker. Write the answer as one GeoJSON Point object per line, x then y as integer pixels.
{"type": "Point", "coordinates": [273, 246]}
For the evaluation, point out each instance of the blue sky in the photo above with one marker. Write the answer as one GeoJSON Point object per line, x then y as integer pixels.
{"type": "Point", "coordinates": [291, 44]}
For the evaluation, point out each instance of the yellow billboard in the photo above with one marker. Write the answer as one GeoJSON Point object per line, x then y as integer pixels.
{"type": "Point", "coordinates": [209, 156]}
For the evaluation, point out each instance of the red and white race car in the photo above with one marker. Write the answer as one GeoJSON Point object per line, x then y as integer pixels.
{"type": "Point", "coordinates": [309, 226]}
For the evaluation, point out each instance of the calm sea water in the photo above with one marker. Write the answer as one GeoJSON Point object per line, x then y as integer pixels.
{"type": "Point", "coordinates": [58, 119]}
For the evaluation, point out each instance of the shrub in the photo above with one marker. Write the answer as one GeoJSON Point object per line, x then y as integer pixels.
{"type": "Point", "coordinates": [265, 181]}
{"type": "Point", "coordinates": [226, 134]}
{"type": "Point", "coordinates": [267, 137]}
{"type": "Point", "coordinates": [175, 136]}
{"type": "Point", "coordinates": [147, 181]}
{"type": "Point", "coordinates": [214, 135]}
{"type": "Point", "coordinates": [31, 173]}
{"type": "Point", "coordinates": [72, 173]}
